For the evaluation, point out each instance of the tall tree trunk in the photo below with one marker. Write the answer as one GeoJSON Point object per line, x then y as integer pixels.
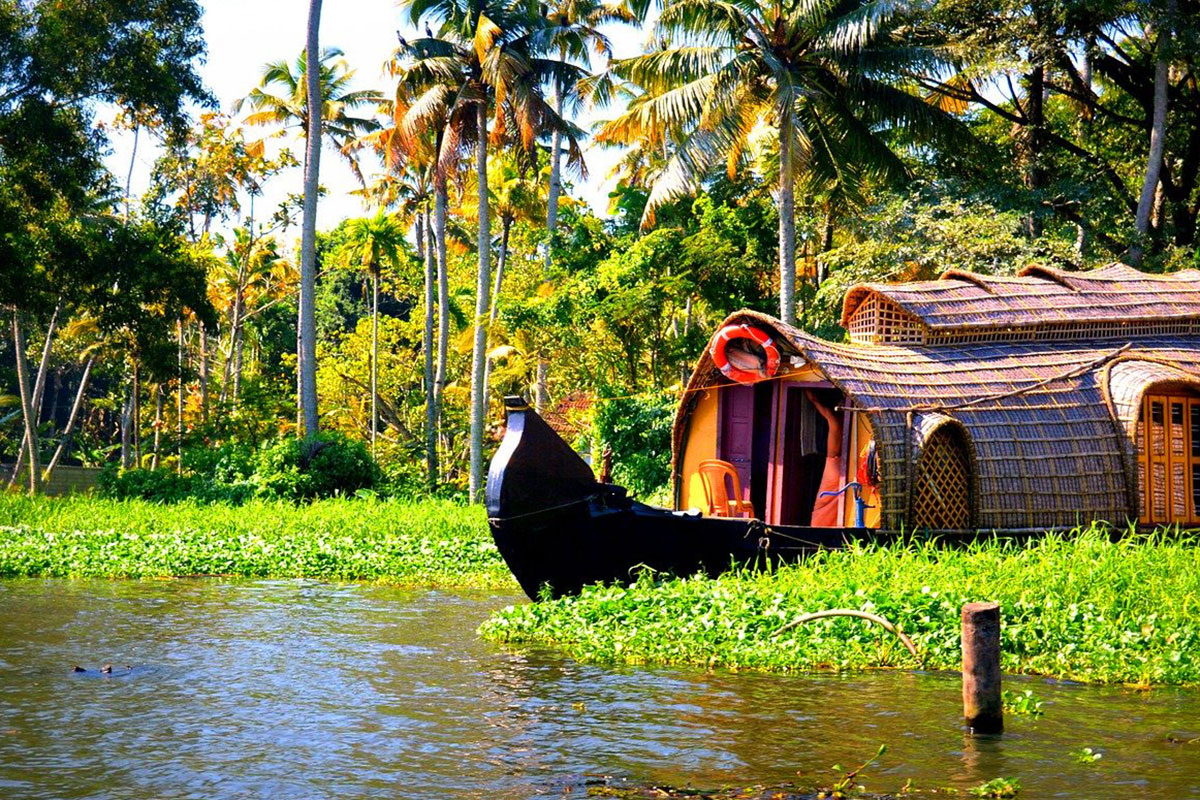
{"type": "Point", "coordinates": [430, 259]}
{"type": "Point", "coordinates": [127, 428]}
{"type": "Point", "coordinates": [787, 223]}
{"type": "Point", "coordinates": [1081, 128]}
{"type": "Point", "coordinates": [136, 403]}
{"type": "Point", "coordinates": [555, 181]}
{"type": "Point", "coordinates": [420, 232]}
{"type": "Point", "coordinates": [203, 374]}
{"type": "Point", "coordinates": [501, 258]}
{"type": "Point", "coordinates": [374, 357]}
{"type": "Point", "coordinates": [1035, 169]}
{"type": "Point", "coordinates": [27, 405]}
{"type": "Point", "coordinates": [69, 431]}
{"type": "Point", "coordinates": [239, 342]}
{"type": "Point", "coordinates": [541, 386]}
{"type": "Point", "coordinates": [1158, 131]}
{"type": "Point", "coordinates": [39, 391]}
{"type": "Point", "coordinates": [439, 231]}
{"type": "Point", "coordinates": [483, 287]}
{"type": "Point", "coordinates": [179, 400]}
{"type": "Point", "coordinates": [541, 394]}
{"type": "Point", "coordinates": [307, 323]}
{"type": "Point", "coordinates": [158, 420]}
{"type": "Point", "coordinates": [129, 176]}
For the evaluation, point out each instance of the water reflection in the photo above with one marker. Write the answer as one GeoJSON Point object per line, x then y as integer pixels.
{"type": "Point", "coordinates": [305, 689]}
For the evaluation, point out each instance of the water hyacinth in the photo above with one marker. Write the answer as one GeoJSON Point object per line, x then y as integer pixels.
{"type": "Point", "coordinates": [431, 542]}
{"type": "Point", "coordinates": [1079, 607]}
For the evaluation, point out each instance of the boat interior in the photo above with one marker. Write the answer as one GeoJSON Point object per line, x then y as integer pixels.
{"type": "Point", "coordinates": [786, 451]}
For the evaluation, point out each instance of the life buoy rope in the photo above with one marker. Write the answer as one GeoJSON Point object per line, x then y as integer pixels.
{"type": "Point", "coordinates": [760, 337]}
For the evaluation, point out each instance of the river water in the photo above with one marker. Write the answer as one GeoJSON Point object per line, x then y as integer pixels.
{"type": "Point", "coordinates": [295, 689]}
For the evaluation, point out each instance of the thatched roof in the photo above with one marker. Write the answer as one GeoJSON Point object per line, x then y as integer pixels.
{"type": "Point", "coordinates": [1039, 301]}
{"type": "Point", "coordinates": [1049, 423]}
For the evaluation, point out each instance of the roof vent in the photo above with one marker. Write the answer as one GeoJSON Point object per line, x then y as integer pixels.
{"type": "Point", "coordinates": [878, 320]}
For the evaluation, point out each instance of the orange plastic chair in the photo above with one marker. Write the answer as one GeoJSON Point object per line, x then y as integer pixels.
{"type": "Point", "coordinates": [721, 501]}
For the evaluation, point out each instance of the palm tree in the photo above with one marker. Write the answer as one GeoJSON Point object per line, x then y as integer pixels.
{"type": "Point", "coordinates": [407, 187]}
{"type": "Point", "coordinates": [572, 32]}
{"type": "Point", "coordinates": [824, 76]}
{"type": "Point", "coordinates": [284, 96]}
{"type": "Point", "coordinates": [374, 242]}
{"type": "Point", "coordinates": [481, 62]}
{"type": "Point", "coordinates": [281, 100]}
{"type": "Point", "coordinates": [306, 325]}
{"type": "Point", "coordinates": [253, 270]}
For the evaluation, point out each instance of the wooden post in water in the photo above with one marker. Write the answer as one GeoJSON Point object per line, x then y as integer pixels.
{"type": "Point", "coordinates": [983, 708]}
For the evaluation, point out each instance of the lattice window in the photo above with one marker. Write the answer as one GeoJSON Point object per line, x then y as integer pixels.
{"type": "Point", "coordinates": [878, 320]}
{"type": "Point", "coordinates": [942, 495]}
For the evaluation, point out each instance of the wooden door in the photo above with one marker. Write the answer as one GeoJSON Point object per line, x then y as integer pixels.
{"type": "Point", "coordinates": [1167, 444]}
{"type": "Point", "coordinates": [735, 441]}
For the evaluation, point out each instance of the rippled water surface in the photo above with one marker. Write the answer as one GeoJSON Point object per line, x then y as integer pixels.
{"type": "Point", "coordinates": [303, 689]}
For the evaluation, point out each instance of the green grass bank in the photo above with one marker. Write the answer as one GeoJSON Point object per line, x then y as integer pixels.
{"type": "Point", "coordinates": [1079, 608]}
{"type": "Point", "coordinates": [418, 543]}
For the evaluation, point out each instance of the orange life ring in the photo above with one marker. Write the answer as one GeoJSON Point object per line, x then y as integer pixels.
{"type": "Point", "coordinates": [756, 335]}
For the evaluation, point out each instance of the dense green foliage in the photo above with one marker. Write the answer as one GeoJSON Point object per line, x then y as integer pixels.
{"type": "Point", "coordinates": [425, 543]}
{"type": "Point", "coordinates": [1080, 607]}
{"type": "Point", "coordinates": [287, 469]}
{"type": "Point", "coordinates": [638, 429]}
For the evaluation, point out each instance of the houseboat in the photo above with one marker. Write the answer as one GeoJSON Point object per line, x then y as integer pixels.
{"type": "Point", "coordinates": [971, 403]}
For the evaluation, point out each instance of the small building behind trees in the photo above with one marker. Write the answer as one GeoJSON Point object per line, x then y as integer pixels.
{"type": "Point", "coordinates": [1041, 400]}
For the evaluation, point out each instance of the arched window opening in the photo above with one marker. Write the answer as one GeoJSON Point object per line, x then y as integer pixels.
{"type": "Point", "coordinates": [942, 496]}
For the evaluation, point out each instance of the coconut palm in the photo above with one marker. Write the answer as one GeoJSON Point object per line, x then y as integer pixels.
{"type": "Point", "coordinates": [826, 77]}
{"type": "Point", "coordinates": [480, 67]}
{"type": "Point", "coordinates": [573, 33]}
{"type": "Point", "coordinates": [253, 272]}
{"type": "Point", "coordinates": [373, 243]}
{"type": "Point", "coordinates": [280, 100]}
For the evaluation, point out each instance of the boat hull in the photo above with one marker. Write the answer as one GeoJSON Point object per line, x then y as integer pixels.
{"type": "Point", "coordinates": [559, 529]}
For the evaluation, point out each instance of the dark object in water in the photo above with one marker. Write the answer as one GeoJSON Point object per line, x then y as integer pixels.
{"type": "Point", "coordinates": [556, 525]}
{"type": "Point", "coordinates": [78, 668]}
{"type": "Point", "coordinates": [106, 669]}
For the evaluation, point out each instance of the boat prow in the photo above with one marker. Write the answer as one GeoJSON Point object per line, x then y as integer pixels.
{"type": "Point", "coordinates": [559, 529]}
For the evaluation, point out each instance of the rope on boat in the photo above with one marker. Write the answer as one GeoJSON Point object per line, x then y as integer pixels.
{"type": "Point", "coordinates": [850, 612]}
{"type": "Point", "coordinates": [546, 510]}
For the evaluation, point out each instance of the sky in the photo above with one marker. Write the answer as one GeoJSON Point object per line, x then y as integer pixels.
{"type": "Point", "coordinates": [243, 35]}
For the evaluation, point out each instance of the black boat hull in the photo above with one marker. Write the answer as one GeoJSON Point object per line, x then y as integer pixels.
{"type": "Point", "coordinates": [559, 529]}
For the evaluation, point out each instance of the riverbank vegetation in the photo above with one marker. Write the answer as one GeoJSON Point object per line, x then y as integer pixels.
{"type": "Point", "coordinates": [1078, 607]}
{"type": "Point", "coordinates": [426, 543]}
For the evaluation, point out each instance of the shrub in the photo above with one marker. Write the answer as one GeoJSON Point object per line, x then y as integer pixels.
{"type": "Point", "coordinates": [297, 469]}
{"type": "Point", "coordinates": [230, 462]}
{"type": "Point", "coordinates": [167, 486]}
{"type": "Point", "coordinates": [638, 429]}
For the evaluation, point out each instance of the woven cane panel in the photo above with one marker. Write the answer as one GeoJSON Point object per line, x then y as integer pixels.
{"type": "Point", "coordinates": [1141, 490]}
{"type": "Point", "coordinates": [1179, 492]}
{"type": "Point", "coordinates": [942, 497]}
{"type": "Point", "coordinates": [1158, 494]}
